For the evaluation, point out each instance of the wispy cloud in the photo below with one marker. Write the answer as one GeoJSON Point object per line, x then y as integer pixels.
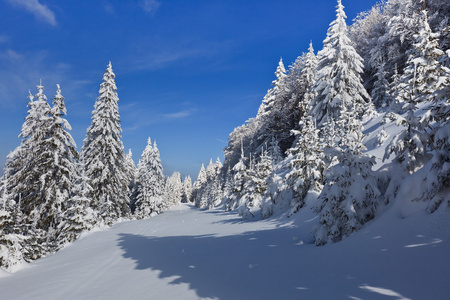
{"type": "Point", "coordinates": [38, 9]}
{"type": "Point", "coordinates": [150, 6]}
{"type": "Point", "coordinates": [179, 115]}
{"type": "Point", "coordinates": [161, 53]}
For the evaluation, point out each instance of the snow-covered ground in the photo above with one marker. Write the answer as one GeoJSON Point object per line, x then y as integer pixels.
{"type": "Point", "coordinates": [186, 253]}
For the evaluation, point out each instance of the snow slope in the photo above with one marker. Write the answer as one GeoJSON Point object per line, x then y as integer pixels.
{"type": "Point", "coordinates": [186, 253]}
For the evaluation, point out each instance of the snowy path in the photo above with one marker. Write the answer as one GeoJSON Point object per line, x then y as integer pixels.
{"type": "Point", "coordinates": [190, 254]}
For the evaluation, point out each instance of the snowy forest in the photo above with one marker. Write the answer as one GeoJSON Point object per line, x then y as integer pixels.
{"type": "Point", "coordinates": [340, 132]}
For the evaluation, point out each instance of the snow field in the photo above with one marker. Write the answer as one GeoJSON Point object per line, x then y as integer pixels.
{"type": "Point", "coordinates": [186, 253]}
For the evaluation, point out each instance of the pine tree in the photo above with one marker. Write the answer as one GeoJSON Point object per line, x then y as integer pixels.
{"type": "Point", "coordinates": [273, 95]}
{"type": "Point", "coordinates": [380, 92]}
{"type": "Point", "coordinates": [396, 104]}
{"type": "Point", "coordinates": [214, 186]}
{"type": "Point", "coordinates": [187, 189]}
{"type": "Point", "coordinates": [173, 189]}
{"type": "Point", "coordinates": [150, 183]}
{"type": "Point", "coordinates": [274, 152]}
{"type": "Point", "coordinates": [79, 215]}
{"type": "Point", "coordinates": [59, 159]}
{"type": "Point", "coordinates": [132, 173]}
{"type": "Point", "coordinates": [103, 156]}
{"type": "Point", "coordinates": [417, 84]}
{"type": "Point", "coordinates": [438, 178]}
{"type": "Point", "coordinates": [11, 242]}
{"type": "Point", "coordinates": [239, 178]}
{"type": "Point", "coordinates": [349, 198]}
{"type": "Point", "coordinates": [309, 77]}
{"type": "Point", "coordinates": [339, 82]}
{"type": "Point", "coordinates": [25, 181]}
{"type": "Point", "coordinates": [306, 164]}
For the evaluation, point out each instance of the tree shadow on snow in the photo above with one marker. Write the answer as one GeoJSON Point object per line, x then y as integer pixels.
{"type": "Point", "coordinates": [266, 264]}
{"type": "Point", "coordinates": [230, 267]}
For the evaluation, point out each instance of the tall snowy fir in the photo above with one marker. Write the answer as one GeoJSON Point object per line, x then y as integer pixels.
{"type": "Point", "coordinates": [173, 189]}
{"type": "Point", "coordinates": [187, 189]}
{"type": "Point", "coordinates": [308, 77]}
{"type": "Point", "coordinates": [306, 164]}
{"type": "Point", "coordinates": [150, 183]}
{"type": "Point", "coordinates": [103, 156]}
{"type": "Point", "coordinates": [417, 85]}
{"type": "Point", "coordinates": [60, 157]}
{"type": "Point", "coordinates": [339, 84]}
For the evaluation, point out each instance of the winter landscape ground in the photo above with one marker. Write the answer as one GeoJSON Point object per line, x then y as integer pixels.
{"type": "Point", "coordinates": [186, 253]}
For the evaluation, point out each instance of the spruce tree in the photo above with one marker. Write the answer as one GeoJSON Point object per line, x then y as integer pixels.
{"type": "Point", "coordinates": [273, 95]}
{"type": "Point", "coordinates": [150, 183]}
{"type": "Point", "coordinates": [187, 189]}
{"type": "Point", "coordinates": [306, 164]}
{"type": "Point", "coordinates": [132, 173]}
{"type": "Point", "coordinates": [380, 92]}
{"type": "Point", "coordinates": [173, 190]}
{"type": "Point", "coordinates": [417, 84]}
{"type": "Point", "coordinates": [103, 156]}
{"type": "Point", "coordinates": [199, 186]}
{"type": "Point", "coordinates": [339, 69]}
{"type": "Point", "coordinates": [59, 158]}
{"type": "Point", "coordinates": [309, 77]}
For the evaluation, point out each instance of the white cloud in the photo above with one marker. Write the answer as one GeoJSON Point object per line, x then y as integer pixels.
{"type": "Point", "coordinates": [150, 6]}
{"type": "Point", "coordinates": [179, 115]}
{"type": "Point", "coordinates": [39, 10]}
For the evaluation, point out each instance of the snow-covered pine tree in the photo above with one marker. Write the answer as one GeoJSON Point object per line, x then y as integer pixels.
{"type": "Point", "coordinates": [58, 159]}
{"type": "Point", "coordinates": [339, 69]}
{"type": "Point", "coordinates": [350, 195]}
{"type": "Point", "coordinates": [132, 174]}
{"type": "Point", "coordinates": [11, 242]}
{"type": "Point", "coordinates": [308, 77]}
{"type": "Point", "coordinates": [274, 152]}
{"type": "Point", "coordinates": [187, 189]}
{"type": "Point", "coordinates": [239, 178]}
{"type": "Point", "coordinates": [396, 104]}
{"type": "Point", "coordinates": [417, 84]}
{"type": "Point", "coordinates": [380, 92]}
{"type": "Point", "coordinates": [79, 215]}
{"type": "Point", "coordinates": [150, 183]}
{"type": "Point", "coordinates": [103, 156]}
{"type": "Point", "coordinates": [306, 163]}
{"type": "Point", "coordinates": [25, 180]}
{"type": "Point", "coordinates": [349, 198]}
{"type": "Point", "coordinates": [215, 186]}
{"type": "Point", "coordinates": [438, 179]}
{"type": "Point", "coordinates": [206, 195]}
{"type": "Point", "coordinates": [173, 189]}
{"type": "Point", "coordinates": [262, 176]}
{"type": "Point", "coordinates": [273, 95]}
{"type": "Point", "coordinates": [247, 197]}
{"type": "Point", "coordinates": [199, 185]}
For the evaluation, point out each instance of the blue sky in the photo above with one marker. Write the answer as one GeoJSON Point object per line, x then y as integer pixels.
{"type": "Point", "coordinates": [188, 71]}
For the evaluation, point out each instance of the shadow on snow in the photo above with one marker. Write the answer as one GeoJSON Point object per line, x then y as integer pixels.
{"type": "Point", "coordinates": [267, 264]}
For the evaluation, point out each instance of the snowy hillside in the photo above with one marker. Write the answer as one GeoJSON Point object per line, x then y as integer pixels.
{"type": "Point", "coordinates": [187, 253]}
